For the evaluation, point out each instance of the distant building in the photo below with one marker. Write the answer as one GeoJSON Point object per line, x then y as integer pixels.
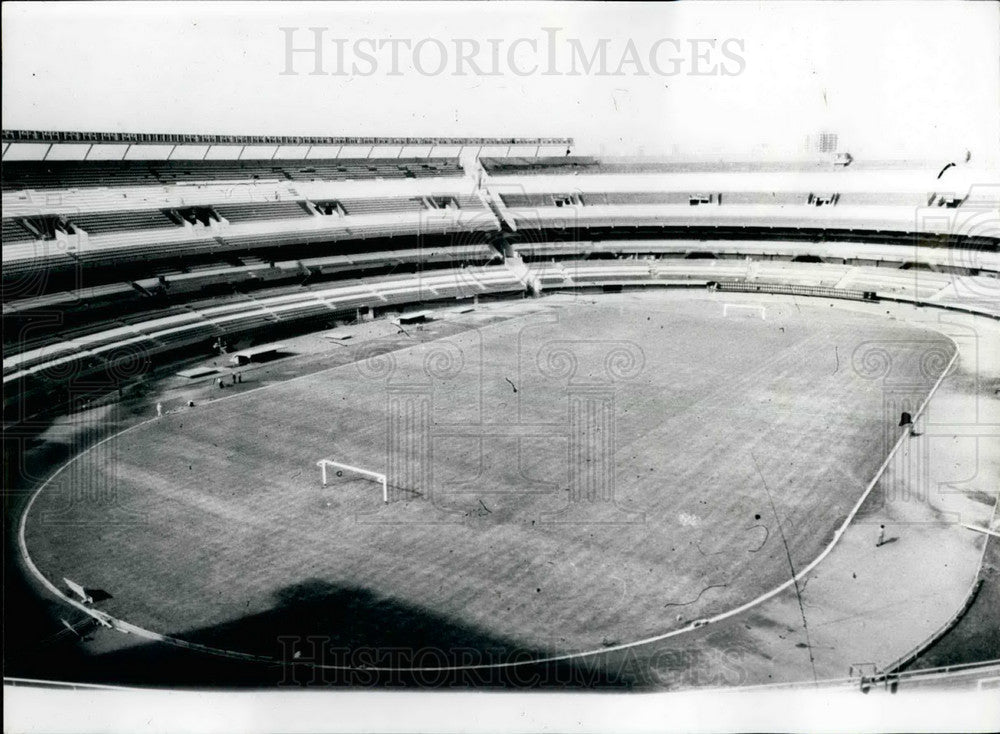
{"type": "Point", "coordinates": [827, 142]}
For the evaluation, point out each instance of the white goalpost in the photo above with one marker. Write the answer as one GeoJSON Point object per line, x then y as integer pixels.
{"type": "Point", "coordinates": [375, 476]}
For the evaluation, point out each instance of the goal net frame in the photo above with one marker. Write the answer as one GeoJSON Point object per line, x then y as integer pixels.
{"type": "Point", "coordinates": [374, 475]}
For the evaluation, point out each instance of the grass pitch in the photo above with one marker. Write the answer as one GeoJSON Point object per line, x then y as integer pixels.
{"type": "Point", "coordinates": [601, 473]}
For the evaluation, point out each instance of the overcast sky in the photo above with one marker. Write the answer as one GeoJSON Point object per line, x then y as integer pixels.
{"type": "Point", "coordinates": [893, 79]}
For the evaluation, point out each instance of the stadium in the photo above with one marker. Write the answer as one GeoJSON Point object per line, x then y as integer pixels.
{"type": "Point", "coordinates": [483, 411]}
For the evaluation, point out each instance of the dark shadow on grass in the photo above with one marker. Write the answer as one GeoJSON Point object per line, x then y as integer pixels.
{"type": "Point", "coordinates": [97, 595]}
{"type": "Point", "coordinates": [354, 633]}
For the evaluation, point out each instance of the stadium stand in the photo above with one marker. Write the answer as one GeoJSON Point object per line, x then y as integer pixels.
{"type": "Point", "coordinates": [21, 175]}
{"type": "Point", "coordinates": [14, 232]}
{"type": "Point", "coordinates": [262, 211]}
{"type": "Point", "coordinates": [355, 207]}
{"type": "Point", "coordinates": [530, 166]}
{"type": "Point", "coordinates": [167, 256]}
{"type": "Point", "coordinates": [103, 222]}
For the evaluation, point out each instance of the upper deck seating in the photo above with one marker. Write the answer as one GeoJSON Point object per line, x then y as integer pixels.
{"type": "Point", "coordinates": [19, 175]}
{"type": "Point", "coordinates": [347, 169]}
{"type": "Point", "coordinates": [537, 166]}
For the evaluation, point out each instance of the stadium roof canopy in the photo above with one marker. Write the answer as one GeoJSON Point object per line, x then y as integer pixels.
{"type": "Point", "coordinates": [39, 145]}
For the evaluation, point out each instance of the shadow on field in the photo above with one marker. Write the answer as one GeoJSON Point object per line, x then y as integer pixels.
{"type": "Point", "coordinates": [353, 632]}
{"type": "Point", "coordinates": [98, 595]}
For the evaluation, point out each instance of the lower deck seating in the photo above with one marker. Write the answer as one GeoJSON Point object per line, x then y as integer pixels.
{"type": "Point", "coordinates": [14, 231]}
{"type": "Point", "coordinates": [189, 324]}
{"type": "Point", "coordinates": [916, 285]}
{"type": "Point", "coordinates": [858, 253]}
{"type": "Point", "coordinates": [382, 205]}
{"type": "Point", "coordinates": [243, 277]}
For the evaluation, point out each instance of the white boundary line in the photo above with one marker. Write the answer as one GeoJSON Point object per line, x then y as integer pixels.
{"type": "Point", "coordinates": [984, 531]}
{"type": "Point", "coordinates": [697, 624]}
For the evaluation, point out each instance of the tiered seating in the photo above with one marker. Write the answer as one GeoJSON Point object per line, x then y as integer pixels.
{"type": "Point", "coordinates": [96, 308]}
{"type": "Point", "coordinates": [20, 258]}
{"type": "Point", "coordinates": [526, 200]}
{"type": "Point", "coordinates": [19, 175]}
{"type": "Point", "coordinates": [793, 289]}
{"type": "Point", "coordinates": [348, 169]}
{"type": "Point", "coordinates": [469, 201]}
{"type": "Point", "coordinates": [334, 229]}
{"type": "Point", "coordinates": [121, 248]}
{"type": "Point", "coordinates": [262, 211]}
{"type": "Point", "coordinates": [410, 256]}
{"type": "Point", "coordinates": [200, 278]}
{"type": "Point", "coordinates": [186, 325]}
{"type": "Point", "coordinates": [180, 172]}
{"type": "Point", "coordinates": [382, 205]}
{"type": "Point", "coordinates": [46, 226]}
{"type": "Point", "coordinates": [14, 232]}
{"type": "Point", "coordinates": [529, 166]}
{"type": "Point", "coordinates": [576, 273]}
{"type": "Point", "coordinates": [108, 250]}
{"type": "Point", "coordinates": [892, 219]}
{"type": "Point", "coordinates": [771, 276]}
{"type": "Point", "coordinates": [277, 261]}
{"type": "Point", "coordinates": [112, 293]}
{"type": "Point", "coordinates": [855, 252]}
{"type": "Point", "coordinates": [121, 221]}
{"type": "Point", "coordinates": [550, 275]}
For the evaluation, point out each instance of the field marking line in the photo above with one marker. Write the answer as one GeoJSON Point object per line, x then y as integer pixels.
{"type": "Point", "coordinates": [985, 531]}
{"type": "Point", "coordinates": [696, 624]}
